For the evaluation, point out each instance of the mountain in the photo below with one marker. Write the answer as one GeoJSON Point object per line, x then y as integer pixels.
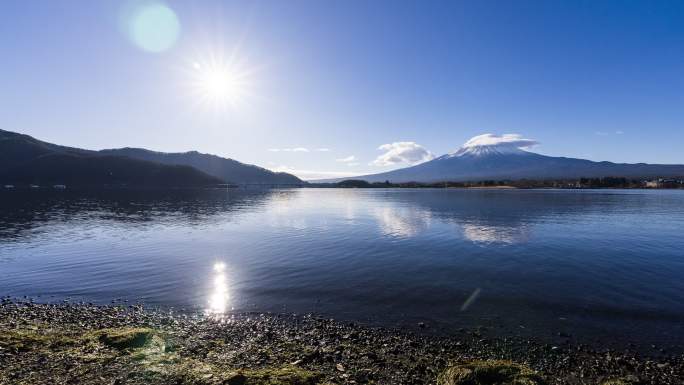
{"type": "Point", "coordinates": [228, 170]}
{"type": "Point", "coordinates": [490, 157]}
{"type": "Point", "coordinates": [26, 160]}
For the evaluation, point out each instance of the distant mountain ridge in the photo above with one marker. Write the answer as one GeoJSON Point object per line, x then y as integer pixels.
{"type": "Point", "coordinates": [26, 160]}
{"type": "Point", "coordinates": [488, 159]}
{"type": "Point", "coordinates": [228, 170]}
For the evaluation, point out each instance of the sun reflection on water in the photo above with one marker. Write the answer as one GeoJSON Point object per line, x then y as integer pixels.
{"type": "Point", "coordinates": [219, 297]}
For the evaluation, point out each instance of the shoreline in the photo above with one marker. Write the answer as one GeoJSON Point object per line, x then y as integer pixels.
{"type": "Point", "coordinates": [417, 186]}
{"type": "Point", "coordinates": [77, 343]}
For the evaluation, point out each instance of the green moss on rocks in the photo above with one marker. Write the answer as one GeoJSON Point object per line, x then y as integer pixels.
{"type": "Point", "coordinates": [33, 339]}
{"type": "Point", "coordinates": [194, 372]}
{"type": "Point", "coordinates": [141, 353]}
{"type": "Point", "coordinates": [281, 376]}
{"type": "Point", "coordinates": [489, 373]}
{"type": "Point", "coordinates": [125, 338]}
{"type": "Point", "coordinates": [619, 381]}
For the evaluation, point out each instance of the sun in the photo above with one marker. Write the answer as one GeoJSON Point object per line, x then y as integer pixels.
{"type": "Point", "coordinates": [221, 84]}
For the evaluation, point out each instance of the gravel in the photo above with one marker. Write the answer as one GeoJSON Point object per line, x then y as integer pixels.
{"type": "Point", "coordinates": [69, 344]}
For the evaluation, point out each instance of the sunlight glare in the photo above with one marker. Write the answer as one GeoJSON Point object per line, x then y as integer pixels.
{"type": "Point", "coordinates": [220, 83]}
{"type": "Point", "coordinates": [218, 299]}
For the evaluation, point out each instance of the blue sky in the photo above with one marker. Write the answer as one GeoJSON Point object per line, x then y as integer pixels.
{"type": "Point", "coordinates": [602, 80]}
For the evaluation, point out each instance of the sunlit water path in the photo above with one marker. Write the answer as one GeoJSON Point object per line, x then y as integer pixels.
{"type": "Point", "coordinates": [604, 265]}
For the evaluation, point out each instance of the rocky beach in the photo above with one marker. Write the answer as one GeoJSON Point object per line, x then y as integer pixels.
{"type": "Point", "coordinates": [85, 344]}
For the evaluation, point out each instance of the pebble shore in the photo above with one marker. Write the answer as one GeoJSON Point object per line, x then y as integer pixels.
{"type": "Point", "coordinates": [86, 344]}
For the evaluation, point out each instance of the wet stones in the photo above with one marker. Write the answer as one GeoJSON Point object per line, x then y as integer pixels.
{"type": "Point", "coordinates": [79, 343]}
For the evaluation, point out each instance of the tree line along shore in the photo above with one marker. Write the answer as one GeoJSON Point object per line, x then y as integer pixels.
{"type": "Point", "coordinates": [581, 183]}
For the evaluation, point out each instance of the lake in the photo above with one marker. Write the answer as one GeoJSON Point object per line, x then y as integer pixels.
{"type": "Point", "coordinates": [601, 266]}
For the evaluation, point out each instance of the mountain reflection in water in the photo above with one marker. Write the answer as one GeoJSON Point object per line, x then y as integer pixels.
{"type": "Point", "coordinates": [596, 263]}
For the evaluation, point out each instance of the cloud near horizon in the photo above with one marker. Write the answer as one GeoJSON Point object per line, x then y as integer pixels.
{"type": "Point", "coordinates": [295, 149]}
{"type": "Point", "coordinates": [507, 140]}
{"type": "Point", "coordinates": [348, 159]}
{"type": "Point", "coordinates": [299, 149]}
{"type": "Point", "coordinates": [402, 152]}
{"type": "Point", "coordinates": [605, 133]}
{"type": "Point", "coordinates": [313, 174]}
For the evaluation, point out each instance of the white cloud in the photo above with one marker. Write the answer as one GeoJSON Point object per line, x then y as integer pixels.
{"type": "Point", "coordinates": [295, 149]}
{"type": "Point", "coordinates": [322, 149]}
{"type": "Point", "coordinates": [505, 140]}
{"type": "Point", "coordinates": [348, 159]}
{"type": "Point", "coordinates": [314, 174]}
{"type": "Point", "coordinates": [604, 133]}
{"type": "Point", "coordinates": [402, 152]}
{"type": "Point", "coordinates": [352, 164]}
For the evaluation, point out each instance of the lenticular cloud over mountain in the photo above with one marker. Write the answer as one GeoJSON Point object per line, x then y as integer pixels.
{"type": "Point", "coordinates": [505, 140]}
{"type": "Point", "coordinates": [490, 144]}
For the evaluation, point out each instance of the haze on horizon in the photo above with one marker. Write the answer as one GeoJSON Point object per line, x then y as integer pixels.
{"type": "Point", "coordinates": [333, 89]}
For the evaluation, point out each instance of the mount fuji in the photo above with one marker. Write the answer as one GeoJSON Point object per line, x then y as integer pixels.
{"type": "Point", "coordinates": [506, 157]}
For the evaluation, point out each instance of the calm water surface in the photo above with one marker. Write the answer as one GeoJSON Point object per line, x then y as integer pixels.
{"type": "Point", "coordinates": [600, 265]}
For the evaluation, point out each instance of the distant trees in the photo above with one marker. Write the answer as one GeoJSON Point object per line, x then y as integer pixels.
{"type": "Point", "coordinates": [353, 183]}
{"type": "Point", "coordinates": [605, 182]}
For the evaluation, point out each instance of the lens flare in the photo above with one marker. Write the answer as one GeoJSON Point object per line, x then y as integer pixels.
{"type": "Point", "coordinates": [153, 27]}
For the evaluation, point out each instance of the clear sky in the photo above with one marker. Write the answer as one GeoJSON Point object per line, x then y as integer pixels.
{"type": "Point", "coordinates": [327, 83]}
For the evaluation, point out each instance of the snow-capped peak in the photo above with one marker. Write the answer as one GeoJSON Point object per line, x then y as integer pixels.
{"type": "Point", "coordinates": [487, 150]}
{"type": "Point", "coordinates": [491, 144]}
